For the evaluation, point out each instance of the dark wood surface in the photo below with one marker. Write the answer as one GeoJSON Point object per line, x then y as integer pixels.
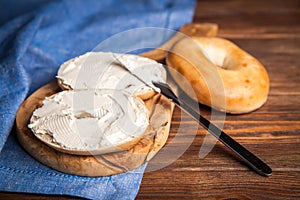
{"type": "Point", "coordinates": [270, 31]}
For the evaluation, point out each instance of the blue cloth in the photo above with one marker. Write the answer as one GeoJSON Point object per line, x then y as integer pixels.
{"type": "Point", "coordinates": [36, 36]}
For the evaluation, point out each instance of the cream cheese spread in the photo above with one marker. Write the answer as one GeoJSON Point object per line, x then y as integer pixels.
{"type": "Point", "coordinates": [90, 119]}
{"type": "Point", "coordinates": [98, 70]}
{"type": "Point", "coordinates": [101, 108]}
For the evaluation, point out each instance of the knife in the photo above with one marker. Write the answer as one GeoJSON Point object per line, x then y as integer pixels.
{"type": "Point", "coordinates": [249, 158]}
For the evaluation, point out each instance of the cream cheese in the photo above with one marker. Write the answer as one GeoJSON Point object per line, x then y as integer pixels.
{"type": "Point", "coordinates": [98, 70]}
{"type": "Point", "coordinates": [90, 119]}
{"type": "Point", "coordinates": [101, 109]}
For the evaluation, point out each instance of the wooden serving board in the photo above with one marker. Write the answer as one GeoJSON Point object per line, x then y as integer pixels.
{"type": "Point", "coordinates": [110, 163]}
{"type": "Point", "coordinates": [94, 165]}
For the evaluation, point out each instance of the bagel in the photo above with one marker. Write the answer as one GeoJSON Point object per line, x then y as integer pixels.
{"type": "Point", "coordinates": [100, 70]}
{"type": "Point", "coordinates": [222, 75]}
{"type": "Point", "coordinates": [90, 121]}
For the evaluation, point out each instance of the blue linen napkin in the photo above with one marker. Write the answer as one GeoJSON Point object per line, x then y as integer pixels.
{"type": "Point", "coordinates": [35, 38]}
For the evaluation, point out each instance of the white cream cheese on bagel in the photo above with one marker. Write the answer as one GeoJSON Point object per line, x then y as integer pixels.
{"type": "Point", "coordinates": [95, 70]}
{"type": "Point", "coordinates": [90, 119]}
{"type": "Point", "coordinates": [101, 109]}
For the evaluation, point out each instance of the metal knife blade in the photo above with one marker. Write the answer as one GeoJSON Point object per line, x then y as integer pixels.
{"type": "Point", "coordinates": [249, 158]}
{"type": "Point", "coordinates": [150, 85]}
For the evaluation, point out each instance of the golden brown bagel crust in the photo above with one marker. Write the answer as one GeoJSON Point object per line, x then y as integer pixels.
{"type": "Point", "coordinates": [222, 75]}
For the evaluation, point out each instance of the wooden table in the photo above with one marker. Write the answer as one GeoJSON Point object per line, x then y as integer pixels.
{"type": "Point", "coordinates": [270, 31]}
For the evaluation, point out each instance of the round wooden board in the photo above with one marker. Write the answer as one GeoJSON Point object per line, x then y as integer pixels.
{"type": "Point", "coordinates": [94, 165]}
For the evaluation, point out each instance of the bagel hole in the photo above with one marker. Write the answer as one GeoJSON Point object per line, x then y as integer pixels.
{"type": "Point", "coordinates": [215, 55]}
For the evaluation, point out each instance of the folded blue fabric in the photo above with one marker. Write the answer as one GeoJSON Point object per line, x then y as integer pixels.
{"type": "Point", "coordinates": [35, 38]}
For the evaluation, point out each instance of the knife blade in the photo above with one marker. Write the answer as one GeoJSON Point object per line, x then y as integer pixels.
{"type": "Point", "coordinates": [249, 158]}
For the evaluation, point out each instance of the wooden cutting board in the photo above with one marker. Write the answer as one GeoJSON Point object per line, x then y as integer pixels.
{"type": "Point", "coordinates": [111, 163]}
{"type": "Point", "coordinates": [93, 165]}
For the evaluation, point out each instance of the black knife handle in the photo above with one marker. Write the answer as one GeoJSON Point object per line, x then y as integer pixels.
{"type": "Point", "coordinates": [249, 158]}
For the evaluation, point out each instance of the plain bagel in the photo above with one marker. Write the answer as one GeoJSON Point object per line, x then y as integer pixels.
{"type": "Point", "coordinates": [221, 74]}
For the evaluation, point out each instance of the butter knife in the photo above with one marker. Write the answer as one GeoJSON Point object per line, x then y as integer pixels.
{"type": "Point", "coordinates": [249, 158]}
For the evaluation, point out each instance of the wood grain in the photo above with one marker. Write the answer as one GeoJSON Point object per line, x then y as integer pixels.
{"type": "Point", "coordinates": [270, 31]}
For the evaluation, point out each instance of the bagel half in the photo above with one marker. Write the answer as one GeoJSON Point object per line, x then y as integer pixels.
{"type": "Point", "coordinates": [222, 75]}
{"type": "Point", "coordinates": [100, 70]}
{"type": "Point", "coordinates": [88, 122]}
